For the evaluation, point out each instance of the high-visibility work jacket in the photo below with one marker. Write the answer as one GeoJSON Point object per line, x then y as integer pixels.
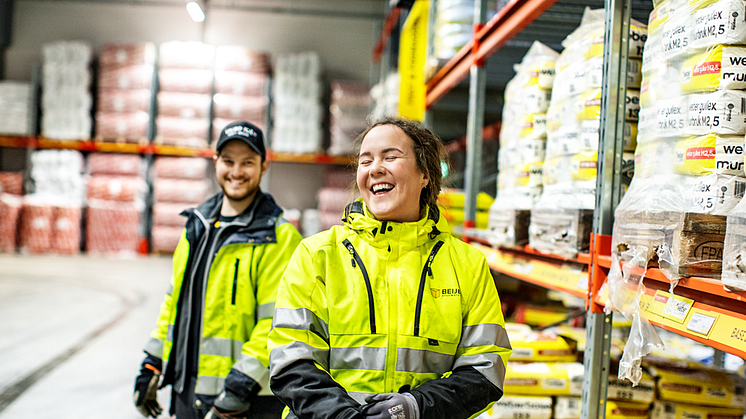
{"type": "Point", "coordinates": [247, 260]}
{"type": "Point", "coordinates": [378, 307]}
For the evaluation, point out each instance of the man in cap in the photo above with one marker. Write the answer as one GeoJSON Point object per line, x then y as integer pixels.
{"type": "Point", "coordinates": [210, 343]}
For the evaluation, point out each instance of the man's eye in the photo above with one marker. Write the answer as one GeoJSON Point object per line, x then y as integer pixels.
{"type": "Point", "coordinates": [390, 158]}
{"type": "Point", "coordinates": [365, 162]}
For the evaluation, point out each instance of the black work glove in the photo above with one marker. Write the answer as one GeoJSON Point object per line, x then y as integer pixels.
{"type": "Point", "coordinates": [228, 405]}
{"type": "Point", "coordinates": [146, 390]}
{"type": "Point", "coordinates": [391, 406]}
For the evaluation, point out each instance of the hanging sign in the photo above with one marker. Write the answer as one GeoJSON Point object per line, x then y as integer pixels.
{"type": "Point", "coordinates": [412, 56]}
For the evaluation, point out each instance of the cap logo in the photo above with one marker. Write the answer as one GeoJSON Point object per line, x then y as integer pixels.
{"type": "Point", "coordinates": [239, 130]}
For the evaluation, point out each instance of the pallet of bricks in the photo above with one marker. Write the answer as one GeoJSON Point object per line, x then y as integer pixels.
{"type": "Point", "coordinates": [241, 87]}
{"type": "Point", "coordinates": [185, 85]}
{"type": "Point", "coordinates": [179, 183]}
{"type": "Point", "coordinates": [562, 219]}
{"type": "Point", "coordinates": [522, 147]}
{"type": "Point", "coordinates": [126, 86]}
{"type": "Point", "coordinates": [116, 200]}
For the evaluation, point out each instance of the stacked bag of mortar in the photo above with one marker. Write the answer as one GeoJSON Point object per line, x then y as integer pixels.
{"type": "Point", "coordinates": [562, 218]}
{"type": "Point", "coordinates": [689, 155]}
{"type": "Point", "coordinates": [522, 146]}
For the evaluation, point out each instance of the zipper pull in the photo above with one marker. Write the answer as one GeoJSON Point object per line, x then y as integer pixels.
{"type": "Point", "coordinates": [429, 270]}
{"type": "Point", "coordinates": [352, 254]}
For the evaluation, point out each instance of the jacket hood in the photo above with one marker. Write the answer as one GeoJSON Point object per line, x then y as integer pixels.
{"type": "Point", "coordinates": [358, 218]}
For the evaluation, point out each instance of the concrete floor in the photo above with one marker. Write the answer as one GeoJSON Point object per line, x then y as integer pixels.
{"type": "Point", "coordinates": [72, 331]}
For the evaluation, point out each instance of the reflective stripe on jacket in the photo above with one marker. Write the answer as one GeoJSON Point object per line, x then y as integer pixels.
{"type": "Point", "coordinates": [384, 307]}
{"type": "Point", "coordinates": [239, 296]}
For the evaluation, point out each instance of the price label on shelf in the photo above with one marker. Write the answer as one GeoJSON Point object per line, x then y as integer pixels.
{"type": "Point", "coordinates": [701, 322]}
{"type": "Point", "coordinates": [674, 308]}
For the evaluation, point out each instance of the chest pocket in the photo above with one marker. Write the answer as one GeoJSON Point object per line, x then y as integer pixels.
{"type": "Point", "coordinates": [437, 315]}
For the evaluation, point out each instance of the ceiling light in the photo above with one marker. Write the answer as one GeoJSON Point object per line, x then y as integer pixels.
{"type": "Point", "coordinates": [195, 12]}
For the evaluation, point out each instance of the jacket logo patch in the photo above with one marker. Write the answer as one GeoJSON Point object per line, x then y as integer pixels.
{"type": "Point", "coordinates": [445, 292]}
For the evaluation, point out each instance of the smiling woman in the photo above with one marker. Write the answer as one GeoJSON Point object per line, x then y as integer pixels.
{"type": "Point", "coordinates": [356, 333]}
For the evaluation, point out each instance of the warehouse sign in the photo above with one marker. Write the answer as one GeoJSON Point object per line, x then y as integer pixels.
{"type": "Point", "coordinates": [412, 55]}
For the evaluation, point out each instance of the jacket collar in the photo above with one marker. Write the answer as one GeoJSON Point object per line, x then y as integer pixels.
{"type": "Point", "coordinates": [261, 212]}
{"type": "Point", "coordinates": [381, 233]}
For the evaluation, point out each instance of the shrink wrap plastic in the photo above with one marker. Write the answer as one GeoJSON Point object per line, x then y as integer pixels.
{"type": "Point", "coordinates": [241, 93]}
{"type": "Point", "coordinates": [48, 225]}
{"type": "Point", "coordinates": [194, 168]}
{"type": "Point", "coordinates": [115, 164]}
{"type": "Point", "coordinates": [522, 139]}
{"type": "Point", "coordinates": [66, 97]}
{"type": "Point", "coordinates": [126, 55]}
{"type": "Point", "coordinates": [36, 225]}
{"type": "Point", "coordinates": [350, 103]}
{"type": "Point", "coordinates": [177, 190]}
{"type": "Point", "coordinates": [561, 218]}
{"type": "Point", "coordinates": [117, 188]}
{"type": "Point", "coordinates": [10, 209]}
{"type": "Point", "coordinates": [112, 228]}
{"type": "Point", "coordinates": [125, 92]}
{"type": "Point", "coordinates": [179, 183]}
{"type": "Point", "coordinates": [11, 183]}
{"type": "Point", "coordinates": [688, 161]}
{"type": "Point", "coordinates": [16, 103]}
{"type": "Point", "coordinates": [296, 99]}
{"type": "Point", "coordinates": [165, 238]}
{"type": "Point", "coordinates": [241, 59]}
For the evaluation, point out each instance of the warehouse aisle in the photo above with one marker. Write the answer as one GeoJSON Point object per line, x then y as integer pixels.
{"type": "Point", "coordinates": [72, 331]}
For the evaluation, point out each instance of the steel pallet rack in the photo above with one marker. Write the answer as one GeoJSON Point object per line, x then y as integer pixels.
{"type": "Point", "coordinates": [714, 316]}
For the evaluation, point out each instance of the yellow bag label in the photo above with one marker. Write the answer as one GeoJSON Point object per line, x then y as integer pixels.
{"type": "Point", "coordinates": [589, 105]}
{"type": "Point", "coordinates": [637, 38]}
{"type": "Point", "coordinates": [540, 346]}
{"type": "Point", "coordinates": [584, 165]}
{"type": "Point", "coordinates": [706, 386]}
{"type": "Point", "coordinates": [533, 126]}
{"type": "Point", "coordinates": [658, 16]}
{"type": "Point", "coordinates": [710, 153]}
{"type": "Point", "coordinates": [720, 68]}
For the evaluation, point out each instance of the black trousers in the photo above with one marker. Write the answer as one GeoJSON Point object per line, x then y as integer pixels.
{"type": "Point", "coordinates": [262, 407]}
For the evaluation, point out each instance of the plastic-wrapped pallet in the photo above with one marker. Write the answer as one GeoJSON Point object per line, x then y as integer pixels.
{"type": "Point", "coordinates": [296, 101]}
{"type": "Point", "coordinates": [332, 198]}
{"type": "Point", "coordinates": [10, 208]}
{"type": "Point", "coordinates": [385, 97]}
{"type": "Point", "coordinates": [688, 161]}
{"type": "Point", "coordinates": [350, 106]}
{"type": "Point", "coordinates": [522, 146]}
{"type": "Point", "coordinates": [125, 91]}
{"type": "Point", "coordinates": [16, 99]}
{"type": "Point", "coordinates": [58, 174]}
{"type": "Point", "coordinates": [561, 220]}
{"type": "Point", "coordinates": [185, 79]}
{"type": "Point", "coordinates": [179, 183]}
{"type": "Point", "coordinates": [117, 191]}
{"type": "Point", "coordinates": [11, 183]}
{"type": "Point", "coordinates": [66, 96]}
{"type": "Point", "coordinates": [241, 93]}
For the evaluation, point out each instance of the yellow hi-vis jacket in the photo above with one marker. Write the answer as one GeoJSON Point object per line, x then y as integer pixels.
{"type": "Point", "coordinates": [246, 263]}
{"type": "Point", "coordinates": [378, 307]}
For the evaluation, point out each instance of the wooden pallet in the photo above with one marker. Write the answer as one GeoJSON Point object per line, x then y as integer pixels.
{"type": "Point", "coordinates": [691, 244]}
{"type": "Point", "coordinates": [510, 227]}
{"type": "Point", "coordinates": [561, 231]}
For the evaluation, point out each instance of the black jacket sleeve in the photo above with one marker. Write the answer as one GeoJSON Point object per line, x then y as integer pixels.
{"type": "Point", "coordinates": [242, 385]}
{"type": "Point", "coordinates": [312, 393]}
{"type": "Point", "coordinates": [459, 396]}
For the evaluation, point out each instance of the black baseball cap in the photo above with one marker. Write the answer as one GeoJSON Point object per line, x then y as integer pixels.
{"type": "Point", "coordinates": [243, 131]}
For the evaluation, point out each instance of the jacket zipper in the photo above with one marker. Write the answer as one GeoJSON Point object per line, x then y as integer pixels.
{"type": "Point", "coordinates": [235, 284]}
{"type": "Point", "coordinates": [371, 306]}
{"type": "Point", "coordinates": [426, 270]}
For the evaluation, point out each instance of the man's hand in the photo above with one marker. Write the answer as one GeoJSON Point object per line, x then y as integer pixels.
{"type": "Point", "coordinates": [391, 406]}
{"type": "Point", "coordinates": [229, 405]}
{"type": "Point", "coordinates": [146, 391]}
